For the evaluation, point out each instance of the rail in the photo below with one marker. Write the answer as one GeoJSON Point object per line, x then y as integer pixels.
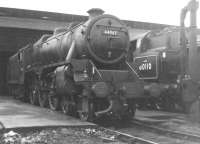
{"type": "Point", "coordinates": [172, 133]}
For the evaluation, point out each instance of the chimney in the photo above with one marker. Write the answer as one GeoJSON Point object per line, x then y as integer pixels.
{"type": "Point", "coordinates": [95, 12]}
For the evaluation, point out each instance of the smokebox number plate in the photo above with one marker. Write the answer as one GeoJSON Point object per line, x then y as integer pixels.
{"type": "Point", "coordinates": [147, 67]}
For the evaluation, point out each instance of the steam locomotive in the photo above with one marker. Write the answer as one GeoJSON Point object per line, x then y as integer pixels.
{"type": "Point", "coordinates": [158, 56]}
{"type": "Point", "coordinates": [168, 62]}
{"type": "Point", "coordinates": [160, 61]}
{"type": "Point", "coordinates": [81, 69]}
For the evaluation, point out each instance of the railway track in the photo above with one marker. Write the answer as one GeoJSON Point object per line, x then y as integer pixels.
{"type": "Point", "coordinates": [172, 136]}
{"type": "Point", "coordinates": [155, 135]}
{"type": "Point", "coordinates": [124, 137]}
{"type": "Point", "coordinates": [169, 132]}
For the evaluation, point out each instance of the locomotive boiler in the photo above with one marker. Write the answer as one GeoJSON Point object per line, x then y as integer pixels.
{"type": "Point", "coordinates": [85, 40]}
{"type": "Point", "coordinates": [80, 69]}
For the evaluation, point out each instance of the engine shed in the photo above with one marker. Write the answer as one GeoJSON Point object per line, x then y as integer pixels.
{"type": "Point", "coordinates": [20, 27]}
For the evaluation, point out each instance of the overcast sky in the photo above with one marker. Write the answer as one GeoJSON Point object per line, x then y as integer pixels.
{"type": "Point", "coordinates": [155, 11]}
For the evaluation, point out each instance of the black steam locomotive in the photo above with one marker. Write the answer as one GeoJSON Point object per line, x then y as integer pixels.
{"type": "Point", "coordinates": [81, 69]}
{"type": "Point", "coordinates": [168, 62]}
{"type": "Point", "coordinates": [157, 56]}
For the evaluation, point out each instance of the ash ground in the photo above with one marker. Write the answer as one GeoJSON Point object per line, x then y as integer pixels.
{"type": "Point", "coordinates": [60, 136]}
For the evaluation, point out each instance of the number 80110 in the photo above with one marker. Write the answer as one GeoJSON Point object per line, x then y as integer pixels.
{"type": "Point", "coordinates": [145, 66]}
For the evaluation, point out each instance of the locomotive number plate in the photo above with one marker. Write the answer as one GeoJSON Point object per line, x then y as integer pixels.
{"type": "Point", "coordinates": [110, 32]}
{"type": "Point", "coordinates": [147, 67]}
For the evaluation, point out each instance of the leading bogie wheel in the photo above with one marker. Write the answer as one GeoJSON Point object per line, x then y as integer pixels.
{"type": "Point", "coordinates": [34, 93]}
{"type": "Point", "coordinates": [43, 99]}
{"type": "Point", "coordinates": [86, 114]}
{"type": "Point", "coordinates": [130, 113]}
{"type": "Point", "coordinates": [65, 105]}
{"type": "Point", "coordinates": [54, 102]}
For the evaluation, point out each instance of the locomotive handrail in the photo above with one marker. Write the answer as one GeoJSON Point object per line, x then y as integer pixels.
{"type": "Point", "coordinates": [54, 37]}
{"type": "Point", "coordinates": [95, 68]}
{"type": "Point", "coordinates": [62, 33]}
{"type": "Point", "coordinates": [132, 68]}
{"type": "Point", "coordinates": [71, 52]}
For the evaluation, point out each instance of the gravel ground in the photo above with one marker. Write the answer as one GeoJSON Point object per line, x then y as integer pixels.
{"type": "Point", "coordinates": [60, 136]}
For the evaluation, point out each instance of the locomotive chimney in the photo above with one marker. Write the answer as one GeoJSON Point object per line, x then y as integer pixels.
{"type": "Point", "coordinates": [94, 12]}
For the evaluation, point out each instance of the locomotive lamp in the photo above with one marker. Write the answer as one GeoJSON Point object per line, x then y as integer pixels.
{"type": "Point", "coordinates": [164, 55]}
{"type": "Point", "coordinates": [93, 70]}
{"type": "Point", "coordinates": [85, 74]}
{"type": "Point", "coordinates": [109, 54]}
